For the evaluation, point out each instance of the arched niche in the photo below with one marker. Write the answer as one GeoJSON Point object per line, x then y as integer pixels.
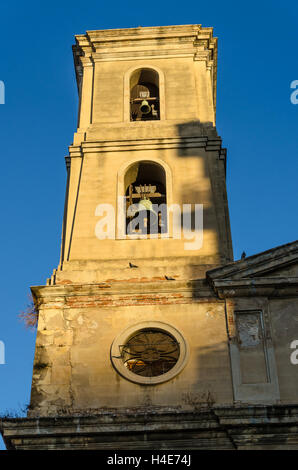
{"type": "Point", "coordinates": [144, 95]}
{"type": "Point", "coordinates": [146, 73]}
{"type": "Point", "coordinates": [143, 191]}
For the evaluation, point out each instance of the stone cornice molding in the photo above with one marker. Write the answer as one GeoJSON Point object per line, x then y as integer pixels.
{"type": "Point", "coordinates": [197, 289]}
{"type": "Point", "coordinates": [139, 43]}
{"type": "Point", "coordinates": [260, 287]}
{"type": "Point", "coordinates": [209, 144]}
{"type": "Point", "coordinates": [228, 427]}
{"type": "Point", "coordinates": [258, 275]}
{"type": "Point", "coordinates": [259, 265]}
{"type": "Point", "coordinates": [169, 37]}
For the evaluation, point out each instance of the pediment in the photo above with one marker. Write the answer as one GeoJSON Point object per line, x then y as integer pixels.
{"type": "Point", "coordinates": [280, 262]}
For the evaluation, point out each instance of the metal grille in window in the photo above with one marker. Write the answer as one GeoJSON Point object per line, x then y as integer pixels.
{"type": "Point", "coordinates": [150, 353]}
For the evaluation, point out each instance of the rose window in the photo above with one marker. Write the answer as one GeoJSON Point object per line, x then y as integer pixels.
{"type": "Point", "coordinates": [150, 352]}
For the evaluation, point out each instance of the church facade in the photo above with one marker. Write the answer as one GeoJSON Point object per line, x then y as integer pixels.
{"type": "Point", "coordinates": [150, 335]}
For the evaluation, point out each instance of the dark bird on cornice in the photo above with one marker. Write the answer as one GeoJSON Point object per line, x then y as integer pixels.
{"type": "Point", "coordinates": [243, 256]}
{"type": "Point", "coordinates": [133, 265]}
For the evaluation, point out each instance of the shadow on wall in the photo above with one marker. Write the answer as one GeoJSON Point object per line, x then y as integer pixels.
{"type": "Point", "coordinates": [200, 140]}
{"type": "Point", "coordinates": [211, 368]}
{"type": "Point", "coordinates": [194, 192]}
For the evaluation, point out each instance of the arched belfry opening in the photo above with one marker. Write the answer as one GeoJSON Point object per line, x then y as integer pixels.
{"type": "Point", "coordinates": [146, 198]}
{"type": "Point", "coordinates": [144, 95]}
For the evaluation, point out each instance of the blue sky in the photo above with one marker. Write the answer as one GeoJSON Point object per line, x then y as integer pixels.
{"type": "Point", "coordinates": [258, 59]}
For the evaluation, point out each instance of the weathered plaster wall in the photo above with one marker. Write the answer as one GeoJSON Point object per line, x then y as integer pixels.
{"type": "Point", "coordinates": [73, 369]}
{"type": "Point", "coordinates": [284, 321]}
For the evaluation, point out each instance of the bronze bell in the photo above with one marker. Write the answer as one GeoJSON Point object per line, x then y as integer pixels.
{"type": "Point", "coordinates": [143, 205]}
{"type": "Point", "coordinates": [146, 205]}
{"type": "Point", "coordinates": [145, 107]}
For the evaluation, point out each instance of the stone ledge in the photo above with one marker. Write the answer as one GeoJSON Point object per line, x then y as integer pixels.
{"type": "Point", "coordinates": [226, 427]}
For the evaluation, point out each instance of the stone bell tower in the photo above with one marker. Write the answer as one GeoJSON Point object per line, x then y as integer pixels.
{"type": "Point", "coordinates": [146, 117]}
{"type": "Point", "coordinates": [149, 335]}
{"type": "Point", "coordinates": [128, 323]}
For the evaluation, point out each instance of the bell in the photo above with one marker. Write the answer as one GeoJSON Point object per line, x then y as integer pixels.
{"type": "Point", "coordinates": [143, 205]}
{"type": "Point", "coordinates": [146, 205]}
{"type": "Point", "coordinates": [142, 210]}
{"type": "Point", "coordinates": [145, 108]}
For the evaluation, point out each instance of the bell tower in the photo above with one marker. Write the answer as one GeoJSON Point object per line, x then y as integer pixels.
{"type": "Point", "coordinates": [118, 317]}
{"type": "Point", "coordinates": [149, 335]}
{"type": "Point", "coordinates": [146, 132]}
{"type": "Point", "coordinates": [128, 323]}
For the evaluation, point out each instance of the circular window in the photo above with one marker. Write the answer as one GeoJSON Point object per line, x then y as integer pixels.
{"type": "Point", "coordinates": [149, 353]}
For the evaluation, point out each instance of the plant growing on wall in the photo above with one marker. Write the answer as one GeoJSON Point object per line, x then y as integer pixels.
{"type": "Point", "coordinates": [30, 315]}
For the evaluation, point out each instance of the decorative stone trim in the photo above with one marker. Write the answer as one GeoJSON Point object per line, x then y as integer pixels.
{"type": "Point", "coordinates": [226, 427]}
{"type": "Point", "coordinates": [123, 337]}
{"type": "Point", "coordinates": [203, 142]}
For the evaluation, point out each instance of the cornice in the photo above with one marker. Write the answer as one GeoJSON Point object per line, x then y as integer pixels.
{"type": "Point", "coordinates": [209, 144]}
{"type": "Point", "coordinates": [260, 287]}
{"type": "Point", "coordinates": [164, 42]}
{"type": "Point", "coordinates": [112, 38]}
{"type": "Point", "coordinates": [259, 265]}
{"type": "Point", "coordinates": [196, 289]}
{"type": "Point", "coordinates": [245, 426]}
{"type": "Point", "coordinates": [147, 31]}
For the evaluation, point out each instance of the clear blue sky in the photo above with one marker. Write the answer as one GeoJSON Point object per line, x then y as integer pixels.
{"type": "Point", "coordinates": [258, 59]}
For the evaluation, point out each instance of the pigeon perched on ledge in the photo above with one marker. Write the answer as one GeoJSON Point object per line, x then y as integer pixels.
{"type": "Point", "coordinates": [133, 265]}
